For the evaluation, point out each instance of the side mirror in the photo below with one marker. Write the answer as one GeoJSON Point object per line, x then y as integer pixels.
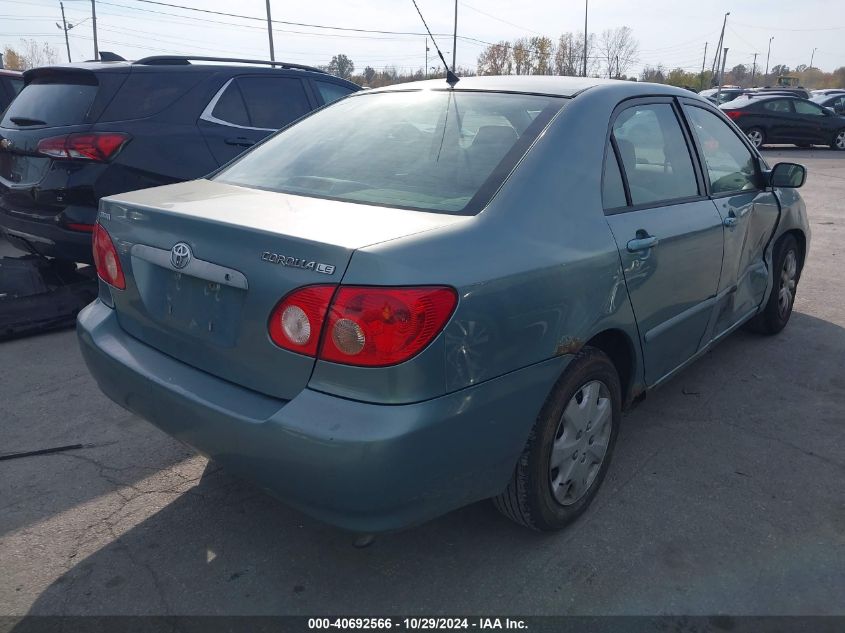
{"type": "Point", "coordinates": [788, 175]}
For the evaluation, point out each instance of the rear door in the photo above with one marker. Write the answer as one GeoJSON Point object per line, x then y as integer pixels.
{"type": "Point", "coordinates": [250, 107]}
{"type": "Point", "coordinates": [748, 211]}
{"type": "Point", "coordinates": [668, 233]}
{"type": "Point", "coordinates": [781, 123]}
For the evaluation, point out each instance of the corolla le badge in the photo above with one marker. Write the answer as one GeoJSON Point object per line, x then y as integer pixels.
{"type": "Point", "coordinates": [6, 144]}
{"type": "Point", "coordinates": [180, 255]}
{"type": "Point", "coordinates": [297, 262]}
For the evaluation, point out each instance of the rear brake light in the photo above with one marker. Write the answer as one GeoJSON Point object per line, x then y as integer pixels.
{"type": "Point", "coordinates": [107, 260]}
{"type": "Point", "coordinates": [733, 114]}
{"type": "Point", "coordinates": [297, 320]}
{"type": "Point", "coordinates": [375, 327]}
{"type": "Point", "coordinates": [76, 226]}
{"type": "Point", "coordinates": [367, 326]}
{"type": "Point", "coordinates": [96, 146]}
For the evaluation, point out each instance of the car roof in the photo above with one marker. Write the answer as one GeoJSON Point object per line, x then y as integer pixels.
{"type": "Point", "coordinates": [8, 72]}
{"type": "Point", "coordinates": [536, 84]}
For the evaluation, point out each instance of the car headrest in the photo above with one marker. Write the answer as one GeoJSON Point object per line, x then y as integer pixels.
{"type": "Point", "coordinates": [495, 135]}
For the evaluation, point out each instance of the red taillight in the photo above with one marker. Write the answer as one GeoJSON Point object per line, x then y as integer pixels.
{"type": "Point", "coordinates": [733, 114]}
{"type": "Point", "coordinates": [297, 320]}
{"type": "Point", "coordinates": [374, 327]}
{"type": "Point", "coordinates": [106, 259]}
{"type": "Point", "coordinates": [76, 226]}
{"type": "Point", "coordinates": [97, 146]}
{"type": "Point", "coordinates": [367, 326]}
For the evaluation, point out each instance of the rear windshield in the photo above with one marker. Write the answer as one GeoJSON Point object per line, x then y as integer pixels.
{"type": "Point", "coordinates": [443, 151]}
{"type": "Point", "coordinates": [51, 102]}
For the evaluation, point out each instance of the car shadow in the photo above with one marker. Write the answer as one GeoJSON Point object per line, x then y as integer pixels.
{"type": "Point", "coordinates": [697, 506]}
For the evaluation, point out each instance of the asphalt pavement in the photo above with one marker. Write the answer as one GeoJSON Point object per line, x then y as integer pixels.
{"type": "Point", "coordinates": [726, 496]}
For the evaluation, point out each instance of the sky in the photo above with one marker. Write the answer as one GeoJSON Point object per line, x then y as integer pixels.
{"type": "Point", "coordinates": [669, 32]}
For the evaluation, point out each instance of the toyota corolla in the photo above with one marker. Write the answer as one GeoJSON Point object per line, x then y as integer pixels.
{"type": "Point", "coordinates": [424, 296]}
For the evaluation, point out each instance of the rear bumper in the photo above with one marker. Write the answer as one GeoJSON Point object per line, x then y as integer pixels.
{"type": "Point", "coordinates": [359, 466]}
{"type": "Point", "coordinates": [47, 237]}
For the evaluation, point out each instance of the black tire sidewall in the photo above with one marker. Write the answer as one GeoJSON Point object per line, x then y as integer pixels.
{"type": "Point", "coordinates": [775, 323]}
{"type": "Point", "coordinates": [546, 512]}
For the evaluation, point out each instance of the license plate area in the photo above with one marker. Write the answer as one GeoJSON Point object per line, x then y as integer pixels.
{"type": "Point", "coordinates": [178, 302]}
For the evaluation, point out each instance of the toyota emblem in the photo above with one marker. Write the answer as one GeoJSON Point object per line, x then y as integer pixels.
{"type": "Point", "coordinates": [180, 255]}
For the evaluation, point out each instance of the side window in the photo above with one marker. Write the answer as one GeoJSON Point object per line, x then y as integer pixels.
{"type": "Point", "coordinates": [145, 94]}
{"type": "Point", "coordinates": [613, 190]}
{"type": "Point", "coordinates": [273, 102]}
{"type": "Point", "coordinates": [805, 107]}
{"type": "Point", "coordinates": [654, 154]}
{"type": "Point", "coordinates": [230, 106]}
{"type": "Point", "coordinates": [730, 164]}
{"type": "Point", "coordinates": [777, 105]}
{"type": "Point", "coordinates": [330, 91]}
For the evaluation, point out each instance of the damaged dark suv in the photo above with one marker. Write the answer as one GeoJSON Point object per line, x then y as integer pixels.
{"type": "Point", "coordinates": [79, 132]}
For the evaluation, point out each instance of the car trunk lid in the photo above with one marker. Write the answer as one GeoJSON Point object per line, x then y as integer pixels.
{"type": "Point", "coordinates": [248, 249]}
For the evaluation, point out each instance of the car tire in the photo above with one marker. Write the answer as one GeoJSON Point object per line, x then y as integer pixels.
{"type": "Point", "coordinates": [838, 142]}
{"type": "Point", "coordinates": [787, 264]}
{"type": "Point", "coordinates": [756, 136]}
{"type": "Point", "coordinates": [572, 429]}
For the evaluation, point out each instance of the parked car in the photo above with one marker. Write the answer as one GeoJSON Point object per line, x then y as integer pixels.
{"type": "Point", "coordinates": [797, 91]}
{"type": "Point", "coordinates": [11, 82]}
{"type": "Point", "coordinates": [786, 119]}
{"type": "Point", "coordinates": [78, 132]}
{"type": "Point", "coordinates": [421, 297]}
{"type": "Point", "coordinates": [826, 91]}
{"type": "Point", "coordinates": [833, 100]}
{"type": "Point", "coordinates": [724, 95]}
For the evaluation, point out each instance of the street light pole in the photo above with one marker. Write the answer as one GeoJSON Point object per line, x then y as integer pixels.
{"type": "Point", "coordinates": [703, 63]}
{"type": "Point", "coordinates": [64, 28]}
{"type": "Point", "coordinates": [754, 69]}
{"type": "Point", "coordinates": [768, 55]}
{"type": "Point", "coordinates": [455, 37]}
{"type": "Point", "coordinates": [812, 56]}
{"type": "Point", "coordinates": [94, 21]}
{"type": "Point", "coordinates": [270, 33]}
{"type": "Point", "coordinates": [586, 7]}
{"type": "Point", "coordinates": [722, 74]}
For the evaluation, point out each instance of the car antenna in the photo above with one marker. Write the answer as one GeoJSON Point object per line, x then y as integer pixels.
{"type": "Point", "coordinates": [451, 78]}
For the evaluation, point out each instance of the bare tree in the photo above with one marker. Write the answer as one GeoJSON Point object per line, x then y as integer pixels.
{"type": "Point", "coordinates": [567, 56]}
{"type": "Point", "coordinates": [593, 63]}
{"type": "Point", "coordinates": [541, 55]}
{"type": "Point", "coordinates": [496, 60]}
{"type": "Point", "coordinates": [31, 54]}
{"type": "Point", "coordinates": [522, 56]}
{"type": "Point", "coordinates": [618, 49]}
{"type": "Point", "coordinates": [654, 74]}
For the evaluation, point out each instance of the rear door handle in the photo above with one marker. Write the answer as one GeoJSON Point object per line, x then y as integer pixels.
{"type": "Point", "coordinates": [642, 242]}
{"type": "Point", "coordinates": [240, 141]}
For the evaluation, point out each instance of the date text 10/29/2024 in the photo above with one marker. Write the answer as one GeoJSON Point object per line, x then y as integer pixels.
{"type": "Point", "coordinates": [418, 624]}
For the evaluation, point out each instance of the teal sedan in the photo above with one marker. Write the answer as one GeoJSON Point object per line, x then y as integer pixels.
{"type": "Point", "coordinates": [424, 296]}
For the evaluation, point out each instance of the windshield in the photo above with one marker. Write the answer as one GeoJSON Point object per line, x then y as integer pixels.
{"type": "Point", "coordinates": [51, 102]}
{"type": "Point", "coordinates": [443, 151]}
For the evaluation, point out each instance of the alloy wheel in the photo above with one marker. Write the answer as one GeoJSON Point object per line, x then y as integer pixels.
{"type": "Point", "coordinates": [581, 442]}
{"type": "Point", "coordinates": [839, 141]}
{"type": "Point", "coordinates": [756, 138]}
{"type": "Point", "coordinates": [786, 292]}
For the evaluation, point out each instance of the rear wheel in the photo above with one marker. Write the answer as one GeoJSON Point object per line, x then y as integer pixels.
{"type": "Point", "coordinates": [839, 140]}
{"type": "Point", "coordinates": [569, 449]}
{"type": "Point", "coordinates": [756, 136]}
{"type": "Point", "coordinates": [787, 266]}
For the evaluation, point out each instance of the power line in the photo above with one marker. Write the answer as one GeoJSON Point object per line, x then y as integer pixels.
{"type": "Point", "coordinates": [493, 17]}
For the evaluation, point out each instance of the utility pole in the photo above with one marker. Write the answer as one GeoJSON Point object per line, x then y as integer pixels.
{"type": "Point", "coordinates": [703, 63]}
{"type": "Point", "coordinates": [64, 28]}
{"type": "Point", "coordinates": [768, 55]}
{"type": "Point", "coordinates": [426, 58]}
{"type": "Point", "coordinates": [94, 21]}
{"type": "Point", "coordinates": [586, 6]}
{"type": "Point", "coordinates": [719, 45]}
{"type": "Point", "coordinates": [455, 37]}
{"type": "Point", "coordinates": [812, 56]}
{"type": "Point", "coordinates": [270, 33]}
{"type": "Point", "coordinates": [722, 74]}
{"type": "Point", "coordinates": [754, 69]}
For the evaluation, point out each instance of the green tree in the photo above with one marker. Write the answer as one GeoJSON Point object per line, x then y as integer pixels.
{"type": "Point", "coordinates": [341, 66]}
